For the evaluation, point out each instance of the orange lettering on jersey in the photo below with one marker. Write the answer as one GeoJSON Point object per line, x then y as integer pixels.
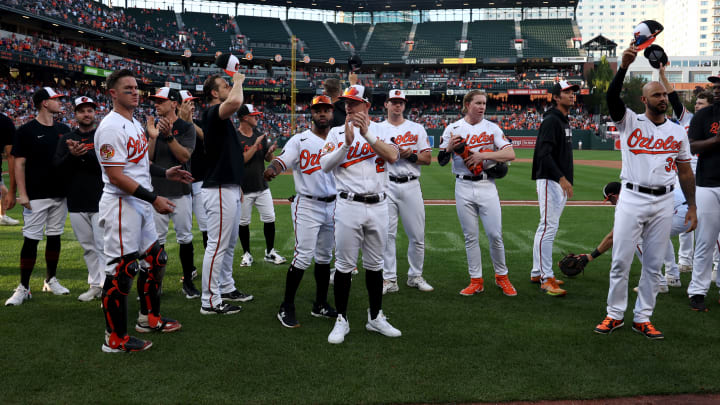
{"type": "Point", "coordinates": [473, 141]}
{"type": "Point", "coordinates": [714, 128]}
{"type": "Point", "coordinates": [136, 148]}
{"type": "Point", "coordinates": [357, 154]}
{"type": "Point", "coordinates": [309, 160]}
{"type": "Point", "coordinates": [406, 139]}
{"type": "Point", "coordinates": [639, 144]}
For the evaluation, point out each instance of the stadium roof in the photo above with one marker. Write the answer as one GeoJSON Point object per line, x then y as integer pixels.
{"type": "Point", "coordinates": [395, 5]}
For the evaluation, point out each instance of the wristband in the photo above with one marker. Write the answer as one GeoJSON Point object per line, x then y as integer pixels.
{"type": "Point", "coordinates": [144, 194]}
{"type": "Point", "coordinates": [595, 254]}
{"type": "Point", "coordinates": [370, 137]}
{"type": "Point", "coordinates": [412, 158]}
{"type": "Point", "coordinates": [157, 171]}
{"type": "Point", "coordinates": [169, 139]}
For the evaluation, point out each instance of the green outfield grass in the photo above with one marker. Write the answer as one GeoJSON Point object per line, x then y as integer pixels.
{"type": "Point", "coordinates": [454, 349]}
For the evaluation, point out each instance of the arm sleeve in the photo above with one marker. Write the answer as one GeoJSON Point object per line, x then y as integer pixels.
{"type": "Point", "coordinates": [615, 103]}
{"type": "Point", "coordinates": [332, 154]}
{"type": "Point", "coordinates": [423, 143]}
{"type": "Point", "coordinates": [444, 156]}
{"type": "Point", "coordinates": [546, 142]}
{"type": "Point", "coordinates": [157, 171]}
{"type": "Point", "coordinates": [696, 131]}
{"type": "Point", "coordinates": [677, 106]}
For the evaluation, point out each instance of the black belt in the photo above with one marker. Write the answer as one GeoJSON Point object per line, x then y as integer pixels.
{"type": "Point", "coordinates": [482, 176]}
{"type": "Point", "coordinates": [363, 198]}
{"type": "Point", "coordinates": [402, 179]}
{"type": "Point", "coordinates": [330, 198]}
{"type": "Point", "coordinates": [648, 190]}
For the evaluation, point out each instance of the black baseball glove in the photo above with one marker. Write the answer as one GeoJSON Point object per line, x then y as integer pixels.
{"type": "Point", "coordinates": [572, 264]}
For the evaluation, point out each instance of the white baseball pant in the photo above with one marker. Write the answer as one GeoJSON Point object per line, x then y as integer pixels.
{"type": "Point", "coordinates": [128, 226]}
{"type": "Point", "coordinates": [678, 228]}
{"type": "Point", "coordinates": [405, 200]}
{"type": "Point", "coordinates": [47, 213]}
{"type": "Point", "coordinates": [686, 248]}
{"type": "Point", "coordinates": [706, 235]}
{"type": "Point", "coordinates": [181, 217]}
{"type": "Point", "coordinates": [638, 216]}
{"type": "Point", "coordinates": [86, 226]}
{"type": "Point", "coordinates": [263, 201]}
{"type": "Point", "coordinates": [360, 226]}
{"type": "Point", "coordinates": [551, 200]}
{"type": "Point", "coordinates": [480, 198]}
{"type": "Point", "coordinates": [198, 206]}
{"type": "Point", "coordinates": [222, 205]}
{"type": "Point", "coordinates": [314, 231]}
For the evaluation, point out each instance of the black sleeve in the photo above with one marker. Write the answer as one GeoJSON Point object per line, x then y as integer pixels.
{"type": "Point", "coordinates": [677, 106]}
{"type": "Point", "coordinates": [546, 141]}
{"type": "Point", "coordinates": [615, 103]}
{"type": "Point", "coordinates": [157, 171]}
{"type": "Point", "coordinates": [444, 157]}
{"type": "Point", "coordinates": [62, 152]}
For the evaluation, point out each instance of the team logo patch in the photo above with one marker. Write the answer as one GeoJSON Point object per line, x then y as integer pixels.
{"type": "Point", "coordinates": [397, 92]}
{"type": "Point", "coordinates": [107, 151]}
{"type": "Point", "coordinates": [328, 148]}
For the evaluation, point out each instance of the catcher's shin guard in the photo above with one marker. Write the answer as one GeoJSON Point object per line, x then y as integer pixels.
{"type": "Point", "coordinates": [115, 291]}
{"type": "Point", "coordinates": [150, 280]}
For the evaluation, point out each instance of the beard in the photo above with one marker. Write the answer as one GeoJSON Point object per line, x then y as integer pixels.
{"type": "Point", "coordinates": [321, 125]}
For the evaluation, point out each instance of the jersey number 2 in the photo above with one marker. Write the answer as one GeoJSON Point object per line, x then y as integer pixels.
{"type": "Point", "coordinates": [670, 165]}
{"type": "Point", "coordinates": [379, 165]}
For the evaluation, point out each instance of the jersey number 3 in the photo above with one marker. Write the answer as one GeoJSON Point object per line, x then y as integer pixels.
{"type": "Point", "coordinates": [379, 165]}
{"type": "Point", "coordinates": [671, 166]}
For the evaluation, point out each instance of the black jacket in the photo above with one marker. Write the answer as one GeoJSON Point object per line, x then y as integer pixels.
{"type": "Point", "coordinates": [553, 156]}
{"type": "Point", "coordinates": [84, 184]}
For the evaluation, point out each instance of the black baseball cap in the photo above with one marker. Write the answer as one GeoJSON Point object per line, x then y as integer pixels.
{"type": "Point", "coordinates": [46, 93]}
{"type": "Point", "coordinates": [166, 93]}
{"type": "Point", "coordinates": [656, 55]}
{"type": "Point", "coordinates": [248, 109]}
{"type": "Point", "coordinates": [563, 85]}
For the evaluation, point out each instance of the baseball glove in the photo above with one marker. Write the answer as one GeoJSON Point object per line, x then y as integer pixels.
{"type": "Point", "coordinates": [572, 264]}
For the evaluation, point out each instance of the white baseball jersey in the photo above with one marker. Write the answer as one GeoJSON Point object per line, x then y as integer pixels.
{"type": "Point", "coordinates": [406, 135]}
{"type": "Point", "coordinates": [483, 135]}
{"type": "Point", "coordinates": [684, 120]}
{"type": "Point", "coordinates": [649, 151]}
{"type": "Point", "coordinates": [357, 171]}
{"type": "Point", "coordinates": [122, 143]}
{"type": "Point", "coordinates": [302, 154]}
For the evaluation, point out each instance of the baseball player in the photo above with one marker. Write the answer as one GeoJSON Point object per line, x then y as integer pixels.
{"type": "Point", "coordinates": [41, 192]}
{"type": "Point", "coordinates": [312, 212]}
{"type": "Point", "coordinates": [552, 171]}
{"type": "Point", "coordinates": [75, 156]}
{"type": "Point", "coordinates": [7, 135]}
{"type": "Point", "coordinates": [476, 195]}
{"type": "Point", "coordinates": [404, 194]}
{"type": "Point", "coordinates": [704, 134]}
{"type": "Point", "coordinates": [255, 188]}
{"type": "Point", "coordinates": [611, 192]}
{"type": "Point", "coordinates": [171, 142]}
{"type": "Point", "coordinates": [358, 160]}
{"type": "Point", "coordinates": [221, 193]}
{"type": "Point", "coordinates": [126, 217]}
{"type": "Point", "coordinates": [197, 168]}
{"type": "Point", "coordinates": [652, 148]}
{"type": "Point", "coordinates": [686, 239]}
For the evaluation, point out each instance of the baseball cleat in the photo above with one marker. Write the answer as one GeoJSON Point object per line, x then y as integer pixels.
{"type": "Point", "coordinates": [390, 286]}
{"type": "Point", "coordinates": [54, 286]}
{"type": "Point", "coordinates": [286, 316]}
{"type": "Point", "coordinates": [662, 289]}
{"type": "Point", "coordinates": [476, 286]}
{"type": "Point", "coordinates": [552, 288]}
{"type": "Point", "coordinates": [647, 329]}
{"type": "Point", "coordinates": [20, 295]}
{"type": "Point", "coordinates": [538, 280]}
{"type": "Point", "coordinates": [341, 328]}
{"type": "Point", "coordinates": [685, 268]}
{"type": "Point", "coordinates": [419, 283]}
{"type": "Point", "coordinates": [128, 344]}
{"type": "Point", "coordinates": [222, 309]}
{"type": "Point", "coordinates": [608, 325]}
{"type": "Point", "coordinates": [274, 257]}
{"type": "Point", "coordinates": [6, 220]}
{"type": "Point", "coordinates": [236, 296]}
{"type": "Point", "coordinates": [247, 260]}
{"type": "Point", "coordinates": [165, 325]}
{"type": "Point", "coordinates": [505, 285]}
{"type": "Point", "coordinates": [381, 325]}
{"type": "Point", "coordinates": [190, 291]}
{"type": "Point", "coordinates": [92, 293]}
{"type": "Point", "coordinates": [194, 275]}
{"type": "Point", "coordinates": [323, 310]}
{"type": "Point", "coordinates": [697, 303]}
{"type": "Point", "coordinates": [673, 282]}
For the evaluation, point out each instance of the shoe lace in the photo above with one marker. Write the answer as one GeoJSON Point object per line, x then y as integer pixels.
{"type": "Point", "coordinates": [648, 328]}
{"type": "Point", "coordinates": [504, 283]}
{"type": "Point", "coordinates": [607, 322]}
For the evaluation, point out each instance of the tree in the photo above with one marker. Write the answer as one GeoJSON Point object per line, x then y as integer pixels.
{"type": "Point", "coordinates": [632, 90]}
{"type": "Point", "coordinates": [599, 80]}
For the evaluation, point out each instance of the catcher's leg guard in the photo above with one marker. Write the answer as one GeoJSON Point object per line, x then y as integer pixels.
{"type": "Point", "coordinates": [115, 291]}
{"type": "Point", "coordinates": [150, 281]}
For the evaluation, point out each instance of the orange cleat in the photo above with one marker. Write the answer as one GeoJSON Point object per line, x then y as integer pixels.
{"type": "Point", "coordinates": [551, 287]}
{"type": "Point", "coordinates": [504, 283]}
{"type": "Point", "coordinates": [476, 286]}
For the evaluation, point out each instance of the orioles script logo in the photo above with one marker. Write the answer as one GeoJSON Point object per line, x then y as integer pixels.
{"type": "Point", "coordinates": [714, 128]}
{"type": "Point", "coordinates": [407, 139]}
{"type": "Point", "coordinates": [474, 141]}
{"type": "Point", "coordinates": [136, 148]}
{"type": "Point", "coordinates": [309, 163]}
{"type": "Point", "coordinates": [651, 145]}
{"type": "Point", "coordinates": [357, 154]}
